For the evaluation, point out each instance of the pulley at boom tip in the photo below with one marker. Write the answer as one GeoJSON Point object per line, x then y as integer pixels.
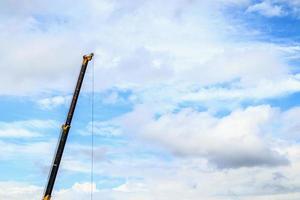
{"type": "Point", "coordinates": [88, 57]}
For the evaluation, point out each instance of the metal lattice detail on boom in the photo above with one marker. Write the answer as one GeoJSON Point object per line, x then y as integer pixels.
{"type": "Point", "coordinates": [65, 129]}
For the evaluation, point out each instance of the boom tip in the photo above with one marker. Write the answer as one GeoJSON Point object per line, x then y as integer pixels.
{"type": "Point", "coordinates": [88, 57]}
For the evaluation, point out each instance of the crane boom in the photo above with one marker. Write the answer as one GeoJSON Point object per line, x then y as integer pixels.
{"type": "Point", "coordinates": [65, 129]}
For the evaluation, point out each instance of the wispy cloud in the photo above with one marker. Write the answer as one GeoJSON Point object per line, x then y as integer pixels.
{"type": "Point", "coordinates": [24, 129]}
{"type": "Point", "coordinates": [267, 9]}
{"type": "Point", "coordinates": [53, 102]}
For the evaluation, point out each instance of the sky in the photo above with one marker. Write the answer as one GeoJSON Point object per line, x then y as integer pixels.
{"type": "Point", "coordinates": [193, 99]}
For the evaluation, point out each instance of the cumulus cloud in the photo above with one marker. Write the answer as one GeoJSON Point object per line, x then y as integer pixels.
{"type": "Point", "coordinates": [240, 139]}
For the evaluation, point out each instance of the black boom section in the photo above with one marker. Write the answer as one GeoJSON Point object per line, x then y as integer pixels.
{"type": "Point", "coordinates": [65, 129]}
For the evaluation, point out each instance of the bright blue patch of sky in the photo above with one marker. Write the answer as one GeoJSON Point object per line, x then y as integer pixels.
{"type": "Point", "coordinates": [22, 108]}
{"type": "Point", "coordinates": [284, 28]}
{"type": "Point", "coordinates": [286, 102]}
{"type": "Point", "coordinates": [21, 169]}
{"type": "Point", "coordinates": [280, 28]}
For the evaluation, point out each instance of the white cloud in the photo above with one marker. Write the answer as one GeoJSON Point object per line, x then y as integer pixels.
{"type": "Point", "coordinates": [267, 9]}
{"type": "Point", "coordinates": [37, 153]}
{"type": "Point", "coordinates": [21, 133]}
{"type": "Point", "coordinates": [112, 98]}
{"type": "Point", "coordinates": [275, 8]}
{"type": "Point", "coordinates": [102, 128]}
{"type": "Point", "coordinates": [237, 140]}
{"type": "Point", "coordinates": [130, 187]}
{"type": "Point", "coordinates": [191, 177]}
{"type": "Point", "coordinates": [290, 124]}
{"type": "Point", "coordinates": [15, 190]}
{"type": "Point", "coordinates": [158, 43]}
{"type": "Point", "coordinates": [226, 96]}
{"type": "Point", "coordinates": [189, 181]}
{"type": "Point", "coordinates": [53, 102]}
{"type": "Point", "coordinates": [84, 187]}
{"type": "Point", "coordinates": [264, 89]}
{"type": "Point", "coordinates": [24, 129]}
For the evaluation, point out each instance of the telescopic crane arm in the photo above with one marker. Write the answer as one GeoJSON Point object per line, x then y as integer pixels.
{"type": "Point", "coordinates": [65, 129]}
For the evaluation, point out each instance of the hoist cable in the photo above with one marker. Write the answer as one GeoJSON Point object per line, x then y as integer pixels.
{"type": "Point", "coordinates": [92, 129]}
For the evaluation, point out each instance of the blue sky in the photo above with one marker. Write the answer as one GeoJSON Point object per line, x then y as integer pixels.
{"type": "Point", "coordinates": [189, 95]}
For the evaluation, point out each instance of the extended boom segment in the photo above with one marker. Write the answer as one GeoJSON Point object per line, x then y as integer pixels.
{"type": "Point", "coordinates": [65, 129]}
